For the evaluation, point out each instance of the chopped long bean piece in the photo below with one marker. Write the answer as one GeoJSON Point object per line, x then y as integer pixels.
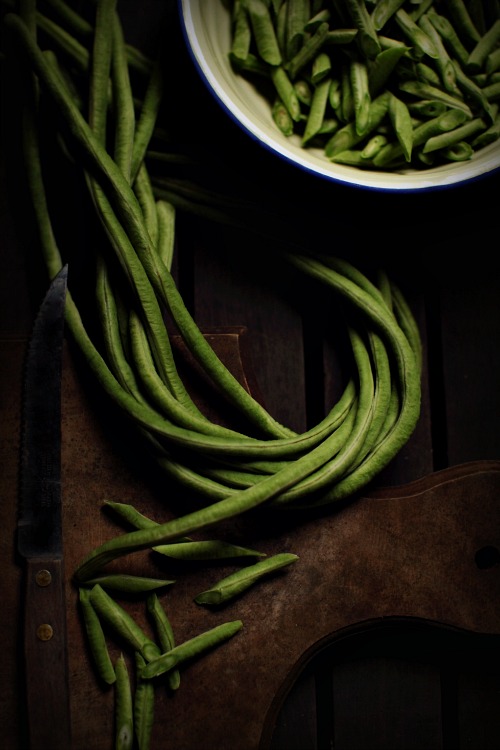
{"type": "Point", "coordinates": [460, 151]}
{"type": "Point", "coordinates": [242, 36]}
{"type": "Point", "coordinates": [467, 130]}
{"type": "Point", "coordinates": [400, 117]}
{"type": "Point", "coordinates": [462, 20]}
{"type": "Point", "coordinates": [347, 136]}
{"type": "Point", "coordinates": [96, 639]}
{"type": "Point", "coordinates": [286, 91]}
{"type": "Point", "coordinates": [308, 51]}
{"type": "Point", "coordinates": [473, 92]}
{"type": "Point", "coordinates": [296, 20]}
{"type": "Point", "coordinates": [205, 550]}
{"type": "Point", "coordinates": [367, 37]}
{"type": "Point", "coordinates": [483, 48]}
{"type": "Point", "coordinates": [437, 125]}
{"type": "Point", "coordinates": [124, 714]}
{"type": "Point", "coordinates": [234, 584]}
{"type": "Point", "coordinates": [144, 708]}
{"type": "Point", "coordinates": [122, 623]}
{"type": "Point", "coordinates": [317, 110]}
{"type": "Point", "coordinates": [426, 91]}
{"type": "Point", "coordinates": [190, 649]}
{"type": "Point", "coordinates": [383, 11]}
{"type": "Point", "coordinates": [449, 36]}
{"type": "Point", "coordinates": [382, 67]}
{"type": "Point", "coordinates": [488, 136]}
{"type": "Point", "coordinates": [264, 32]}
{"type": "Point", "coordinates": [414, 33]}
{"type": "Point", "coordinates": [129, 583]}
{"type": "Point", "coordinates": [165, 635]}
{"type": "Point", "coordinates": [361, 96]}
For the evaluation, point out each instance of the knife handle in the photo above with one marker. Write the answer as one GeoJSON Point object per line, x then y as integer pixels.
{"type": "Point", "coordinates": [45, 651]}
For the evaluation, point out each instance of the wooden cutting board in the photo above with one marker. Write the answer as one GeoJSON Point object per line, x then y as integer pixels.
{"type": "Point", "coordinates": [417, 551]}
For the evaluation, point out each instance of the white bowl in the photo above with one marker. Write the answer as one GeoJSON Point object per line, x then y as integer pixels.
{"type": "Point", "coordinates": [207, 30]}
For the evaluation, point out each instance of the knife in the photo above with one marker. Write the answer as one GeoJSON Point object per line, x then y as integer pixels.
{"type": "Point", "coordinates": [39, 529]}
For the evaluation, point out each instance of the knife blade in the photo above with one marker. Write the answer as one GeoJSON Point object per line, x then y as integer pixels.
{"type": "Point", "coordinates": [39, 529]}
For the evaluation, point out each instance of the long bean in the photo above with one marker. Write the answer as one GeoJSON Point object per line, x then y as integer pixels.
{"type": "Point", "coordinates": [77, 27]}
{"type": "Point", "coordinates": [272, 486]}
{"type": "Point", "coordinates": [65, 42]}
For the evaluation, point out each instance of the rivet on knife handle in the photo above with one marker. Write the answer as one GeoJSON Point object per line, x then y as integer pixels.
{"type": "Point", "coordinates": [47, 684]}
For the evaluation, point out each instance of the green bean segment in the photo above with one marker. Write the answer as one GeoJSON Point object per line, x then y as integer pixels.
{"type": "Point", "coordinates": [129, 584]}
{"type": "Point", "coordinates": [96, 639]}
{"type": "Point", "coordinates": [165, 635]}
{"type": "Point", "coordinates": [190, 649]}
{"type": "Point", "coordinates": [234, 584]}
{"type": "Point", "coordinates": [205, 550]}
{"type": "Point", "coordinates": [122, 624]}
{"type": "Point", "coordinates": [143, 708]}
{"type": "Point", "coordinates": [430, 49]}
{"type": "Point", "coordinates": [184, 548]}
{"type": "Point", "coordinates": [124, 715]}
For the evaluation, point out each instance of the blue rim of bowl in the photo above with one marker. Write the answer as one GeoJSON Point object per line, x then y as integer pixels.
{"type": "Point", "coordinates": [357, 184]}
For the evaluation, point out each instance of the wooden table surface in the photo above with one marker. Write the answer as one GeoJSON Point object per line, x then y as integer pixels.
{"type": "Point", "coordinates": [386, 635]}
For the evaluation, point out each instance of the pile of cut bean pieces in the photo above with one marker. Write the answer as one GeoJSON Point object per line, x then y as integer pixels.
{"type": "Point", "coordinates": [157, 658]}
{"type": "Point", "coordinates": [375, 84]}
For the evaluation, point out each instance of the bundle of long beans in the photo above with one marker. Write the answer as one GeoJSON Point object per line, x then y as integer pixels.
{"type": "Point", "coordinates": [106, 133]}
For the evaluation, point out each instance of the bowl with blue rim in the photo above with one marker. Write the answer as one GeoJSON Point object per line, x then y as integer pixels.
{"type": "Point", "coordinates": [388, 96]}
